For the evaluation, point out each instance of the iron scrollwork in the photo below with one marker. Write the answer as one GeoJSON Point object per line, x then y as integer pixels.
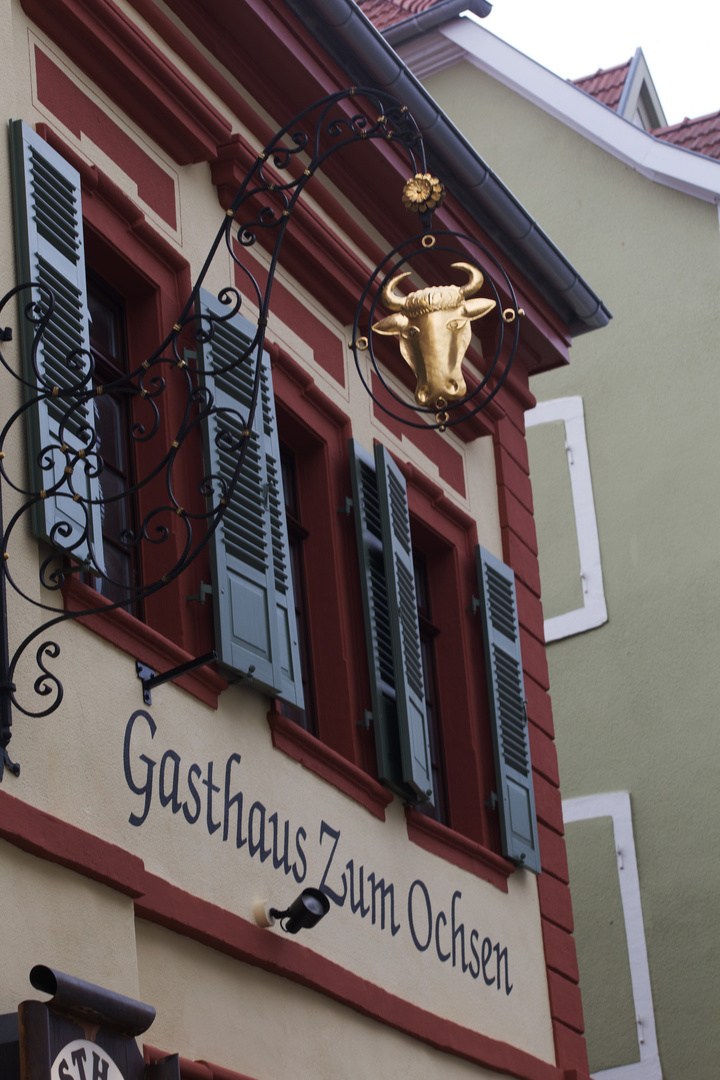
{"type": "Point", "coordinates": [68, 461]}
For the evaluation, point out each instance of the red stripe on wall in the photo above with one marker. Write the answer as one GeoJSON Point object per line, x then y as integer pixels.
{"type": "Point", "coordinates": [328, 349]}
{"type": "Point", "coordinates": [49, 838]}
{"type": "Point", "coordinates": [81, 115]}
{"type": "Point", "coordinates": [434, 445]}
{"type": "Point", "coordinates": [160, 902]}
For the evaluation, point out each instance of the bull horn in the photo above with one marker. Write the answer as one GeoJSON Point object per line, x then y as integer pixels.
{"type": "Point", "coordinates": [394, 301]}
{"type": "Point", "coordinates": [475, 279]}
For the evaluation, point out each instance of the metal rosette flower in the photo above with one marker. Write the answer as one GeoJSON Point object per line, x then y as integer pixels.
{"type": "Point", "coordinates": [423, 192]}
{"type": "Point", "coordinates": [433, 326]}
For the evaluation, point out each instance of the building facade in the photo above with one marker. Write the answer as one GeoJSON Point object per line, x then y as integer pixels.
{"type": "Point", "coordinates": [623, 451]}
{"type": "Point", "coordinates": [377, 726]}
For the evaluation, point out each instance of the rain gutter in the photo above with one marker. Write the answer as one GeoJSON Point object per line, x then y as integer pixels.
{"type": "Point", "coordinates": [354, 43]}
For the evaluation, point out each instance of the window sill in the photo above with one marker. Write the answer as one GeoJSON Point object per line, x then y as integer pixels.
{"type": "Point", "coordinates": [327, 763]}
{"type": "Point", "coordinates": [141, 642]}
{"type": "Point", "coordinates": [458, 850]}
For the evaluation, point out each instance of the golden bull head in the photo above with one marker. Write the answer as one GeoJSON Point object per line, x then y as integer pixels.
{"type": "Point", "coordinates": [434, 330]}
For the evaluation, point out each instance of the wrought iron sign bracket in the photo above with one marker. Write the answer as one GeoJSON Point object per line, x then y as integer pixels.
{"type": "Point", "coordinates": [150, 678]}
{"type": "Point", "coordinates": [60, 382]}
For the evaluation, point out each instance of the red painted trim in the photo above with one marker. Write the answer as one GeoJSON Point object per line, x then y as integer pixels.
{"type": "Point", "coordinates": [189, 1070]}
{"type": "Point", "coordinates": [217, 1072]}
{"type": "Point", "coordinates": [160, 902]}
{"type": "Point", "coordinates": [136, 260]}
{"type": "Point", "coordinates": [560, 950]}
{"type": "Point", "coordinates": [328, 764]}
{"type": "Point", "coordinates": [107, 45]}
{"type": "Point", "coordinates": [80, 114]}
{"type": "Point", "coordinates": [570, 1051]}
{"type": "Point", "coordinates": [565, 1003]}
{"type": "Point", "coordinates": [520, 548]}
{"type": "Point", "coordinates": [328, 347]}
{"type": "Point", "coordinates": [194, 1070]}
{"type": "Point", "coordinates": [436, 838]}
{"type": "Point", "coordinates": [140, 641]}
{"type": "Point", "coordinates": [210, 925]}
{"type": "Point", "coordinates": [435, 446]}
{"type": "Point", "coordinates": [457, 518]}
{"type": "Point", "coordinates": [555, 902]}
{"type": "Point", "coordinates": [59, 842]}
{"type": "Point", "coordinates": [113, 51]}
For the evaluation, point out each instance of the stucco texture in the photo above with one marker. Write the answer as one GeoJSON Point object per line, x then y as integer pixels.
{"type": "Point", "coordinates": [634, 701]}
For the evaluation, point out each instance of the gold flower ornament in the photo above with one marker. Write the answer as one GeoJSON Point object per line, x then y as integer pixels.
{"type": "Point", "coordinates": [423, 192]}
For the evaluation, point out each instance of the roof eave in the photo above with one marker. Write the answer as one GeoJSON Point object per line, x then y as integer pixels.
{"type": "Point", "coordinates": [356, 46]}
{"type": "Point", "coordinates": [435, 16]}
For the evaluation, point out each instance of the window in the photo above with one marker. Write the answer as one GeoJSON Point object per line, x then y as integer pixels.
{"type": "Point", "coordinates": [395, 652]}
{"type": "Point", "coordinates": [253, 598]}
{"type": "Point", "coordinates": [297, 534]}
{"type": "Point", "coordinates": [548, 485]}
{"type": "Point", "coordinates": [108, 342]}
{"type": "Point", "coordinates": [59, 235]}
{"type": "Point", "coordinates": [428, 632]}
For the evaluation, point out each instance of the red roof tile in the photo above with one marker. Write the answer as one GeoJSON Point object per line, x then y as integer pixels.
{"type": "Point", "coordinates": [606, 84]}
{"type": "Point", "coordinates": [385, 13]}
{"type": "Point", "coordinates": [701, 135]}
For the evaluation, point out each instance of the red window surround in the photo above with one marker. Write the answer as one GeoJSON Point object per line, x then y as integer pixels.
{"type": "Point", "coordinates": [344, 752]}
{"type": "Point", "coordinates": [154, 281]}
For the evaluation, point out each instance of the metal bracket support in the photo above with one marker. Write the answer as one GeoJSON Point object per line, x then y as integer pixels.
{"type": "Point", "coordinates": [205, 590]}
{"type": "Point", "coordinates": [150, 679]}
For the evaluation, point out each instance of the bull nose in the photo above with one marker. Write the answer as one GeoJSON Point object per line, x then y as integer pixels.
{"type": "Point", "coordinates": [423, 393]}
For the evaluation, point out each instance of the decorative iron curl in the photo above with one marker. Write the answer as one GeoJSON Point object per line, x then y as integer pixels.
{"type": "Point", "coordinates": [263, 205]}
{"type": "Point", "coordinates": [497, 367]}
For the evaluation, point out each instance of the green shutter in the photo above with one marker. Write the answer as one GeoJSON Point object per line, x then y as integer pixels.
{"type": "Point", "coordinates": [50, 251]}
{"type": "Point", "coordinates": [253, 601]}
{"type": "Point", "coordinates": [503, 662]}
{"type": "Point", "coordinates": [382, 527]}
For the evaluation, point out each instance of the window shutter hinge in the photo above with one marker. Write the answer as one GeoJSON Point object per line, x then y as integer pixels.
{"type": "Point", "coordinates": [493, 801]}
{"type": "Point", "coordinates": [205, 590]}
{"type": "Point", "coordinates": [249, 678]}
{"type": "Point", "coordinates": [347, 508]}
{"type": "Point", "coordinates": [366, 718]}
{"type": "Point", "coordinates": [474, 605]}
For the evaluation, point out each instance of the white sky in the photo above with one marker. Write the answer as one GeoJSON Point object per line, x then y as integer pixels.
{"type": "Point", "coordinates": [681, 43]}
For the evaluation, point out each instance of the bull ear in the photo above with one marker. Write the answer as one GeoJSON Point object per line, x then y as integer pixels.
{"type": "Point", "coordinates": [392, 324]}
{"type": "Point", "coordinates": [477, 307]}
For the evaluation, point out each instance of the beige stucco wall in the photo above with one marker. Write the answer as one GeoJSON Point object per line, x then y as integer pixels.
{"type": "Point", "coordinates": [72, 767]}
{"type": "Point", "coordinates": [634, 701]}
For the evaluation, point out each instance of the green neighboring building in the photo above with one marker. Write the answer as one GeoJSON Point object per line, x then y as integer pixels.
{"type": "Point", "coordinates": [625, 456]}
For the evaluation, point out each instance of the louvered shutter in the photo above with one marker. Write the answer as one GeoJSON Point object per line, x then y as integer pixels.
{"type": "Point", "coordinates": [50, 250]}
{"type": "Point", "coordinates": [503, 662]}
{"type": "Point", "coordinates": [382, 526]}
{"type": "Point", "coordinates": [253, 601]}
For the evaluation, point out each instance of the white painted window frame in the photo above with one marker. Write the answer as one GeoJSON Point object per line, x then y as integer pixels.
{"type": "Point", "coordinates": [616, 805]}
{"type": "Point", "coordinates": [593, 613]}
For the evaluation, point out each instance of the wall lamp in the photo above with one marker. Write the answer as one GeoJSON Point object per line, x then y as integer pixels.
{"type": "Point", "coordinates": [304, 912]}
